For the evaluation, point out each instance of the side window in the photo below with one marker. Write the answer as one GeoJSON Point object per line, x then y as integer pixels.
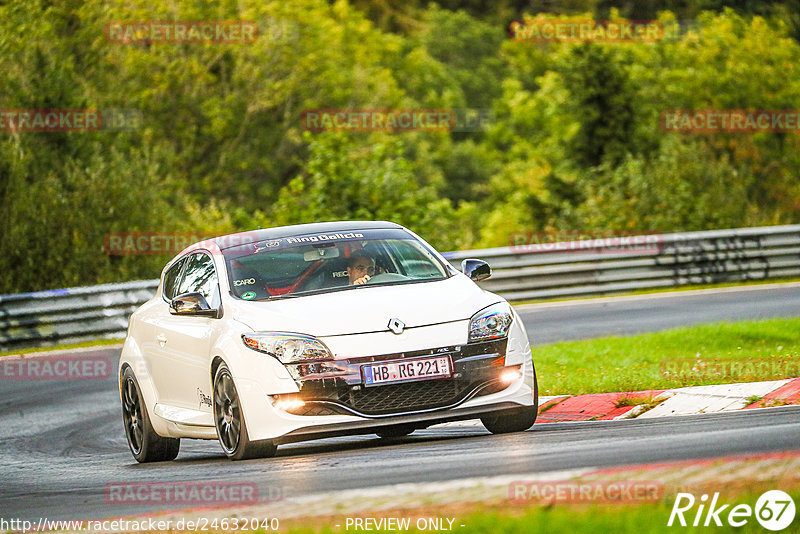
{"type": "Point", "coordinates": [201, 277]}
{"type": "Point", "coordinates": [171, 278]}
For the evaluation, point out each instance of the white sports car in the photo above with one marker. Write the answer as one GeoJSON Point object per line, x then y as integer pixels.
{"type": "Point", "coordinates": [317, 330]}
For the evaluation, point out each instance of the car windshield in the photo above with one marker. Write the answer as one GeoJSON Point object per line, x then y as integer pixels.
{"type": "Point", "coordinates": [332, 261]}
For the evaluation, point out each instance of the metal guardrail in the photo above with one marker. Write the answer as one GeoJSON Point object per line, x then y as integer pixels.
{"type": "Point", "coordinates": [70, 315]}
{"type": "Point", "coordinates": [669, 260]}
{"type": "Point", "coordinates": [526, 272]}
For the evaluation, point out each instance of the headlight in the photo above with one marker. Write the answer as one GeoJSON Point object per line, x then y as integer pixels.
{"type": "Point", "coordinates": [491, 323]}
{"type": "Point", "coordinates": [288, 348]}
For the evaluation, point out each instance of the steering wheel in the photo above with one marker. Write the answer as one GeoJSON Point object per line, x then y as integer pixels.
{"type": "Point", "coordinates": [386, 277]}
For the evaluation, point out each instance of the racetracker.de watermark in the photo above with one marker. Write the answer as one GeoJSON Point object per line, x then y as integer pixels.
{"type": "Point", "coordinates": [181, 32]}
{"type": "Point", "coordinates": [578, 30]}
{"type": "Point", "coordinates": [601, 242]}
{"type": "Point", "coordinates": [739, 368]}
{"type": "Point", "coordinates": [148, 243]}
{"type": "Point", "coordinates": [142, 524]}
{"type": "Point", "coordinates": [70, 120]}
{"type": "Point", "coordinates": [55, 367]}
{"type": "Point", "coordinates": [167, 243]}
{"type": "Point", "coordinates": [730, 120]}
{"type": "Point", "coordinates": [190, 493]}
{"type": "Point", "coordinates": [396, 120]}
{"type": "Point", "coordinates": [571, 491]}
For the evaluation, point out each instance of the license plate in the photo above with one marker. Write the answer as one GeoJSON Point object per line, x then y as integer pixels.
{"type": "Point", "coordinates": [376, 374]}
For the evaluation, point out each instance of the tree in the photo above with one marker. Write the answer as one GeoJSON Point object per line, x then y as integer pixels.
{"type": "Point", "coordinates": [601, 98]}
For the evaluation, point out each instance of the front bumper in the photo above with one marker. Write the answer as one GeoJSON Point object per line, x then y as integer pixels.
{"type": "Point", "coordinates": [422, 420]}
{"type": "Point", "coordinates": [477, 369]}
{"type": "Point", "coordinates": [341, 404]}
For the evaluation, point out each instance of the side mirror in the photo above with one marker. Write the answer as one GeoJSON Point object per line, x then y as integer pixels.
{"type": "Point", "coordinates": [476, 270]}
{"type": "Point", "coordinates": [192, 304]}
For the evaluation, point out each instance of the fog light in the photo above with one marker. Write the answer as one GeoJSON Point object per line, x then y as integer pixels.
{"type": "Point", "coordinates": [509, 376]}
{"type": "Point", "coordinates": [288, 404]}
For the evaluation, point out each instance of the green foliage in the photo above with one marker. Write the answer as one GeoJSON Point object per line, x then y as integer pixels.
{"type": "Point", "coordinates": [468, 51]}
{"type": "Point", "coordinates": [600, 99]}
{"type": "Point", "coordinates": [684, 185]}
{"type": "Point", "coordinates": [349, 180]}
{"type": "Point", "coordinates": [575, 142]}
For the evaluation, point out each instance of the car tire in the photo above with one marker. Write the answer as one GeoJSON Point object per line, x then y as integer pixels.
{"type": "Point", "coordinates": [229, 421]}
{"type": "Point", "coordinates": [397, 431]}
{"type": "Point", "coordinates": [516, 419]}
{"type": "Point", "coordinates": [144, 443]}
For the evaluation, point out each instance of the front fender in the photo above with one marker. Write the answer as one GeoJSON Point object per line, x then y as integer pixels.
{"type": "Point", "coordinates": [132, 356]}
{"type": "Point", "coordinates": [255, 374]}
{"type": "Point", "coordinates": [518, 350]}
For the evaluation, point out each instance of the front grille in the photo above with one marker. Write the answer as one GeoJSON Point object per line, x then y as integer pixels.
{"type": "Point", "coordinates": [316, 410]}
{"type": "Point", "coordinates": [477, 366]}
{"type": "Point", "coordinates": [407, 397]}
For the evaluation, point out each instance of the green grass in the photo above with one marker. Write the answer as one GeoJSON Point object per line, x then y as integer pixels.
{"type": "Point", "coordinates": [574, 518]}
{"type": "Point", "coordinates": [634, 363]}
{"type": "Point", "coordinates": [632, 401]}
{"type": "Point", "coordinates": [753, 399]}
{"type": "Point", "coordinates": [642, 519]}
{"type": "Point", "coordinates": [82, 345]}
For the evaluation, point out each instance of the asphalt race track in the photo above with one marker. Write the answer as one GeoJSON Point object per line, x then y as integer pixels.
{"type": "Point", "coordinates": [650, 313]}
{"type": "Point", "coordinates": [62, 442]}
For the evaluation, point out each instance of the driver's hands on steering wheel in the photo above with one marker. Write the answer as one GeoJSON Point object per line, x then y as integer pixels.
{"type": "Point", "coordinates": [363, 280]}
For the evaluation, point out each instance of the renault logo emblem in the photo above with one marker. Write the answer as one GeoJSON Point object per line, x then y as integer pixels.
{"type": "Point", "coordinates": [396, 326]}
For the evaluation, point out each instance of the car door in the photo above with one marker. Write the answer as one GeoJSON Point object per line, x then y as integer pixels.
{"type": "Point", "coordinates": [185, 341]}
{"type": "Point", "coordinates": [149, 332]}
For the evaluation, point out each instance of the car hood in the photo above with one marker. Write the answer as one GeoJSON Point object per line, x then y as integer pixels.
{"type": "Point", "coordinates": [366, 309]}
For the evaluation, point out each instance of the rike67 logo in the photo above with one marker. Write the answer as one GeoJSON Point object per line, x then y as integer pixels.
{"type": "Point", "coordinates": [774, 510]}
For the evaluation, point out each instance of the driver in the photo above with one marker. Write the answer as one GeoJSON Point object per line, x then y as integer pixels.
{"type": "Point", "coordinates": [361, 268]}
